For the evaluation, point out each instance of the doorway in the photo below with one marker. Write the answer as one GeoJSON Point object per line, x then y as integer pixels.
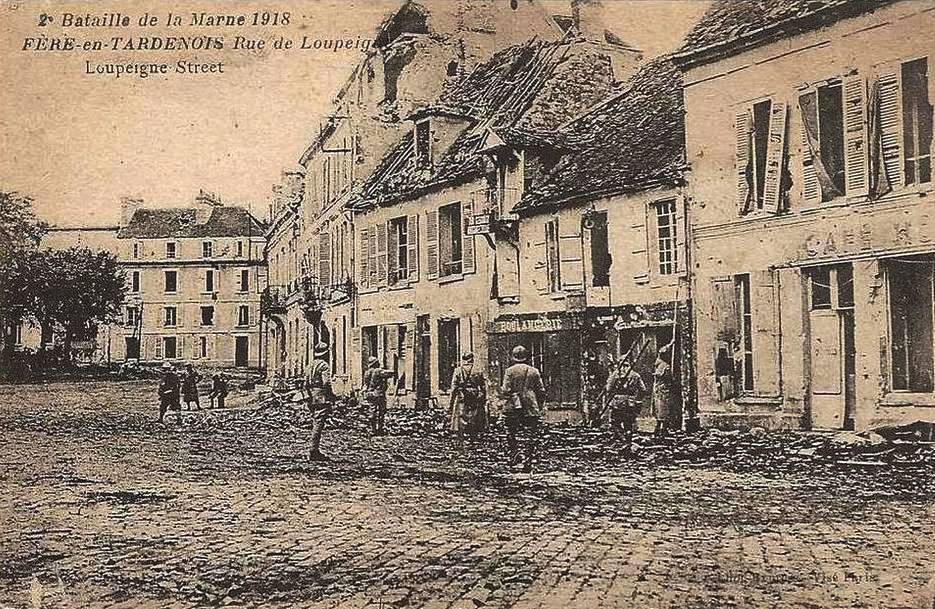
{"type": "Point", "coordinates": [241, 351]}
{"type": "Point", "coordinates": [423, 354]}
{"type": "Point", "coordinates": [831, 346]}
{"type": "Point", "coordinates": [132, 348]}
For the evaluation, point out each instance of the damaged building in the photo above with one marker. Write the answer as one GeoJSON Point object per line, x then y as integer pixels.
{"type": "Point", "coordinates": [809, 135]}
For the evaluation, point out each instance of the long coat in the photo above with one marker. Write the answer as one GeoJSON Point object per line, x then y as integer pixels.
{"type": "Point", "coordinates": [468, 400]}
{"type": "Point", "coordinates": [664, 392]}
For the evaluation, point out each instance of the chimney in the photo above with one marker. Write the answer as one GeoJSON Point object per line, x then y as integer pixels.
{"type": "Point", "coordinates": [588, 17]}
{"type": "Point", "coordinates": [205, 203]}
{"type": "Point", "coordinates": [128, 206]}
{"type": "Point", "coordinates": [293, 182]}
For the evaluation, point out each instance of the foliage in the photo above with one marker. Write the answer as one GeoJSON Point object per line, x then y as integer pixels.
{"type": "Point", "coordinates": [20, 229]}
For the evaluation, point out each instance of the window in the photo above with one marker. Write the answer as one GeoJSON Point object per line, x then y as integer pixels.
{"type": "Point", "coordinates": [136, 250]}
{"type": "Point", "coordinates": [399, 250]}
{"type": "Point", "coordinates": [207, 249]}
{"type": "Point", "coordinates": [203, 346]}
{"type": "Point", "coordinates": [135, 281]}
{"type": "Point", "coordinates": [760, 143]}
{"type": "Point", "coordinates": [244, 280]}
{"type": "Point", "coordinates": [552, 257]}
{"type": "Point", "coordinates": [600, 249]}
{"type": "Point", "coordinates": [170, 317]}
{"type": "Point", "coordinates": [132, 316]}
{"type": "Point", "coordinates": [170, 249]}
{"type": "Point", "coordinates": [452, 69]}
{"type": "Point", "coordinates": [423, 144]}
{"type": "Point", "coordinates": [169, 347]}
{"type": "Point", "coordinates": [820, 293]}
{"type": "Point", "coordinates": [207, 315]}
{"type": "Point", "coordinates": [243, 315]}
{"type": "Point", "coordinates": [239, 249]}
{"type": "Point", "coordinates": [917, 122]}
{"type": "Point", "coordinates": [448, 351]}
{"type": "Point", "coordinates": [209, 280]}
{"type": "Point", "coordinates": [910, 287]}
{"type": "Point", "coordinates": [666, 237]}
{"type": "Point", "coordinates": [449, 226]}
{"type": "Point", "coordinates": [171, 281]}
{"type": "Point", "coordinates": [742, 289]}
{"type": "Point", "coordinates": [823, 125]}
{"type": "Point", "coordinates": [761, 160]}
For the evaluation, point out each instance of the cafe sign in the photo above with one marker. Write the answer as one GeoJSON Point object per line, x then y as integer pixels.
{"type": "Point", "coordinates": [867, 236]}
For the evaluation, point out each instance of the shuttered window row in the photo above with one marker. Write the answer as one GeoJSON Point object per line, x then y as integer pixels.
{"type": "Point", "coordinates": [858, 136]}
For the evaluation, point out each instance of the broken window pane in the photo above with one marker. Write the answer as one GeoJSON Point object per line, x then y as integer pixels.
{"type": "Point", "coordinates": [600, 250]}
{"type": "Point", "coordinates": [820, 282]}
{"type": "Point", "coordinates": [917, 122]}
{"type": "Point", "coordinates": [831, 133]}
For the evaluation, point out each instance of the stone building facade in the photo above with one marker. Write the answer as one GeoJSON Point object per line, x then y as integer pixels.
{"type": "Point", "coordinates": [811, 212]}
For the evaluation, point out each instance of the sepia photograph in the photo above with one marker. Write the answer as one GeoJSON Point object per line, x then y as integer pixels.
{"type": "Point", "coordinates": [467, 304]}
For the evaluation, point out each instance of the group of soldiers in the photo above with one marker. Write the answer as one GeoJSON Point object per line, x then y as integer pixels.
{"type": "Point", "coordinates": [174, 391]}
{"type": "Point", "coordinates": [521, 390]}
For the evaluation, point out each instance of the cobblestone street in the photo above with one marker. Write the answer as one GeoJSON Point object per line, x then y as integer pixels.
{"type": "Point", "coordinates": [103, 508]}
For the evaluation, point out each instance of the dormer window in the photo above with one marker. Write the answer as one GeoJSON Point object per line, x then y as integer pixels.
{"type": "Point", "coordinates": [423, 143]}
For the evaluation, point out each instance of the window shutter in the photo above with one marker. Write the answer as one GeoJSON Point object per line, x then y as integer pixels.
{"type": "Point", "coordinates": [743, 126]}
{"type": "Point", "coordinates": [410, 354]}
{"type": "Point", "coordinates": [775, 156]}
{"type": "Point", "coordinates": [392, 254]}
{"type": "Point", "coordinates": [431, 244]}
{"type": "Point", "coordinates": [571, 258]}
{"type": "Point", "coordinates": [364, 240]}
{"type": "Point", "coordinates": [724, 312]}
{"type": "Point", "coordinates": [158, 349]}
{"type": "Point", "coordinates": [374, 280]}
{"type": "Point", "coordinates": [324, 259]}
{"type": "Point", "coordinates": [539, 274]}
{"type": "Point", "coordinates": [681, 235]}
{"type": "Point", "coordinates": [381, 253]}
{"type": "Point", "coordinates": [891, 125]}
{"type": "Point", "coordinates": [855, 137]}
{"type": "Point", "coordinates": [413, 236]}
{"type": "Point", "coordinates": [179, 317]}
{"type": "Point", "coordinates": [765, 309]}
{"type": "Point", "coordinates": [811, 189]}
{"type": "Point", "coordinates": [468, 264]}
{"type": "Point", "coordinates": [641, 248]}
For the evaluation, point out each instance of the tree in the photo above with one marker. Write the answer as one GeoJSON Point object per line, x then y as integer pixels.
{"type": "Point", "coordinates": [77, 289]}
{"type": "Point", "coordinates": [20, 232]}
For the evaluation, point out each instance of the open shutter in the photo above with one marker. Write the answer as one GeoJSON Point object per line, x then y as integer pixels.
{"type": "Point", "coordinates": [431, 243]}
{"type": "Point", "coordinates": [641, 248]}
{"type": "Point", "coordinates": [765, 309]}
{"type": "Point", "coordinates": [372, 254]}
{"type": "Point", "coordinates": [468, 264]}
{"type": "Point", "coordinates": [180, 315]}
{"type": "Point", "coordinates": [364, 248]}
{"type": "Point", "coordinates": [724, 312]}
{"type": "Point", "coordinates": [571, 257]}
{"type": "Point", "coordinates": [158, 349]}
{"type": "Point", "coordinates": [681, 235]}
{"type": "Point", "coordinates": [775, 157]}
{"type": "Point", "coordinates": [381, 253]}
{"type": "Point", "coordinates": [324, 258]}
{"type": "Point", "coordinates": [537, 264]}
{"type": "Point", "coordinates": [891, 125]}
{"type": "Point", "coordinates": [811, 189]}
{"type": "Point", "coordinates": [413, 236]}
{"type": "Point", "coordinates": [410, 354]}
{"type": "Point", "coordinates": [743, 126]}
{"type": "Point", "coordinates": [392, 254]}
{"type": "Point", "coordinates": [855, 137]}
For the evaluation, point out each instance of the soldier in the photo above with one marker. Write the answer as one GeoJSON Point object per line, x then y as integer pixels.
{"type": "Point", "coordinates": [374, 390]}
{"type": "Point", "coordinates": [664, 391]}
{"type": "Point", "coordinates": [320, 398]}
{"type": "Point", "coordinates": [169, 393]}
{"type": "Point", "coordinates": [524, 393]}
{"type": "Point", "coordinates": [468, 399]}
{"type": "Point", "coordinates": [190, 388]}
{"type": "Point", "coordinates": [625, 390]}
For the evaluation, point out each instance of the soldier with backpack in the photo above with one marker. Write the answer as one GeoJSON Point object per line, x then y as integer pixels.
{"type": "Point", "coordinates": [524, 392]}
{"type": "Point", "coordinates": [625, 390]}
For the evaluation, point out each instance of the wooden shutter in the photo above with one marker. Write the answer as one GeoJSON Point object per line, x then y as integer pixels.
{"type": "Point", "coordinates": [158, 348]}
{"type": "Point", "coordinates": [571, 257]}
{"type": "Point", "coordinates": [431, 243]}
{"type": "Point", "coordinates": [381, 253]}
{"type": "Point", "coordinates": [468, 264]}
{"type": "Point", "coordinates": [392, 253]}
{"type": "Point", "coordinates": [538, 266]}
{"type": "Point", "coordinates": [179, 317]}
{"type": "Point", "coordinates": [641, 247]}
{"type": "Point", "coordinates": [765, 308]}
{"type": "Point", "coordinates": [409, 351]}
{"type": "Point", "coordinates": [724, 312]}
{"type": "Point", "coordinates": [324, 258]}
{"type": "Point", "coordinates": [364, 248]}
{"type": "Point", "coordinates": [855, 137]}
{"type": "Point", "coordinates": [811, 189]}
{"type": "Point", "coordinates": [743, 127]}
{"type": "Point", "coordinates": [775, 155]}
{"type": "Point", "coordinates": [413, 236]}
{"type": "Point", "coordinates": [891, 124]}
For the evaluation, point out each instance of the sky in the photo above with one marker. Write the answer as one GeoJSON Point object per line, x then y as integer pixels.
{"type": "Point", "coordinates": [77, 142]}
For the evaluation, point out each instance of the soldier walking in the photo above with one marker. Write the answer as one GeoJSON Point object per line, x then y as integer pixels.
{"type": "Point", "coordinates": [169, 394]}
{"type": "Point", "coordinates": [524, 393]}
{"type": "Point", "coordinates": [190, 388]}
{"type": "Point", "coordinates": [374, 390]}
{"type": "Point", "coordinates": [320, 398]}
{"type": "Point", "coordinates": [625, 390]}
{"type": "Point", "coordinates": [468, 399]}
